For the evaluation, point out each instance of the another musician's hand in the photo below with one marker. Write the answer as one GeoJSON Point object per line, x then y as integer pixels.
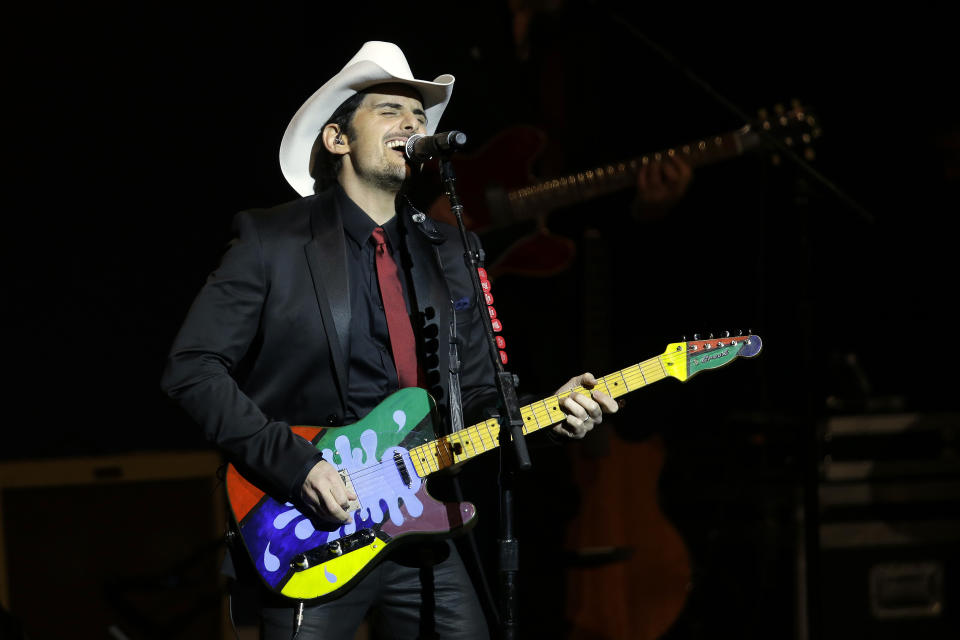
{"type": "Point", "coordinates": [583, 411]}
{"type": "Point", "coordinates": [660, 185]}
{"type": "Point", "coordinates": [324, 491]}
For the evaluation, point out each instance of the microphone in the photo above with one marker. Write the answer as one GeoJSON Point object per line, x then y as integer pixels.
{"type": "Point", "coordinates": [421, 148]}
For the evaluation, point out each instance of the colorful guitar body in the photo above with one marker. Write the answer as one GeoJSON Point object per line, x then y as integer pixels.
{"type": "Point", "coordinates": [387, 458]}
{"type": "Point", "coordinates": [297, 559]}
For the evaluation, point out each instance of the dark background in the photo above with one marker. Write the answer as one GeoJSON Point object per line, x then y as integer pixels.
{"type": "Point", "coordinates": [139, 132]}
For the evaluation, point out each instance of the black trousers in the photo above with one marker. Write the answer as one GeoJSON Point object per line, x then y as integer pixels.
{"type": "Point", "coordinates": [420, 592]}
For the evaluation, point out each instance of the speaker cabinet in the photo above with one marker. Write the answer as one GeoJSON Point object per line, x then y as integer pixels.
{"type": "Point", "coordinates": [889, 527]}
{"type": "Point", "coordinates": [113, 547]}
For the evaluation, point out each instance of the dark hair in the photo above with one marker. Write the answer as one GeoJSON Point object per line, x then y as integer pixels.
{"type": "Point", "coordinates": [324, 166]}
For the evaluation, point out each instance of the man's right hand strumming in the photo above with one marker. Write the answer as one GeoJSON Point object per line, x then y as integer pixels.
{"type": "Point", "coordinates": [325, 492]}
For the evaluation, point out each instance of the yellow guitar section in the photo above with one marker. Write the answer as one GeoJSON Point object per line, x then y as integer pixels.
{"type": "Point", "coordinates": [675, 360]}
{"type": "Point", "coordinates": [313, 582]}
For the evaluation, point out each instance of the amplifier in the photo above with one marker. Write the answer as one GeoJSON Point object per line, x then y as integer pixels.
{"type": "Point", "coordinates": [122, 546]}
{"type": "Point", "coordinates": [889, 526]}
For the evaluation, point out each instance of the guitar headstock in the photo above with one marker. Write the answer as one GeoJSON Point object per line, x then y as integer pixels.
{"type": "Point", "coordinates": [682, 360]}
{"type": "Point", "coordinates": [796, 128]}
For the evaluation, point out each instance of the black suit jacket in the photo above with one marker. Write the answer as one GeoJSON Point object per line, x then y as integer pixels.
{"type": "Point", "coordinates": [265, 343]}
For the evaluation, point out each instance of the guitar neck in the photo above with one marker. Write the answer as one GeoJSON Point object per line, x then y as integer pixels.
{"type": "Point", "coordinates": [472, 441]}
{"type": "Point", "coordinates": [534, 200]}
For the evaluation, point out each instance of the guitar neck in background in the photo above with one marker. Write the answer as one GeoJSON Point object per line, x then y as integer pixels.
{"type": "Point", "coordinates": [536, 199]}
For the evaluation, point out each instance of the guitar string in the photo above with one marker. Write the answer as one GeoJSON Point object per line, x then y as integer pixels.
{"type": "Point", "coordinates": [633, 381]}
{"type": "Point", "coordinates": [370, 475]}
{"type": "Point", "coordinates": [634, 377]}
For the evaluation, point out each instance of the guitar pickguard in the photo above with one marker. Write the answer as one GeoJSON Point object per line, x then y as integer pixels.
{"type": "Point", "coordinates": [393, 502]}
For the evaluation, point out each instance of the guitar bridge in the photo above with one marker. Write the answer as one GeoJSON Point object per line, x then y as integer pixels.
{"type": "Point", "coordinates": [346, 544]}
{"type": "Point", "coordinates": [348, 483]}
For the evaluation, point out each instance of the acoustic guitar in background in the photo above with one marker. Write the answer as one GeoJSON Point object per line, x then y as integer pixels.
{"type": "Point", "coordinates": [497, 189]}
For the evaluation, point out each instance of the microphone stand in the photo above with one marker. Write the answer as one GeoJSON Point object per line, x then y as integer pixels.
{"type": "Point", "coordinates": [511, 423]}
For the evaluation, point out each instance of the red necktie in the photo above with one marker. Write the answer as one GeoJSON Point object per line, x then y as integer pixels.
{"type": "Point", "coordinates": [398, 322]}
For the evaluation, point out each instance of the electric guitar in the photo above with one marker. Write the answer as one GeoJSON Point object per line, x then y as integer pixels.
{"type": "Point", "coordinates": [497, 189]}
{"type": "Point", "coordinates": [387, 458]}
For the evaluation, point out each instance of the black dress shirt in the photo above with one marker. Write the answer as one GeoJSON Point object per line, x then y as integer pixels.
{"type": "Point", "coordinates": [373, 374]}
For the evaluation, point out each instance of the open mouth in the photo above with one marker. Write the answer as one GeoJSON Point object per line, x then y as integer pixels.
{"type": "Point", "coordinates": [398, 145]}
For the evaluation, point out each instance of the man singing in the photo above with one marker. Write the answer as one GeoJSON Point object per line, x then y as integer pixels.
{"type": "Point", "coordinates": [324, 306]}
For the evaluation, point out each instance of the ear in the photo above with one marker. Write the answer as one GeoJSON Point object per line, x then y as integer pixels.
{"type": "Point", "coordinates": [334, 140]}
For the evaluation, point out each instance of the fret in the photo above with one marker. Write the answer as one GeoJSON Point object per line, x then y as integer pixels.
{"type": "Point", "coordinates": [443, 461]}
{"type": "Point", "coordinates": [615, 384]}
{"type": "Point", "coordinates": [457, 451]}
{"type": "Point", "coordinates": [662, 369]}
{"type": "Point", "coordinates": [492, 438]}
{"type": "Point", "coordinates": [554, 413]}
{"type": "Point", "coordinates": [471, 441]}
{"type": "Point", "coordinates": [528, 413]}
{"type": "Point", "coordinates": [603, 381]}
{"type": "Point", "coordinates": [493, 428]}
{"type": "Point", "coordinates": [642, 377]}
{"type": "Point", "coordinates": [423, 461]}
{"type": "Point", "coordinates": [478, 437]}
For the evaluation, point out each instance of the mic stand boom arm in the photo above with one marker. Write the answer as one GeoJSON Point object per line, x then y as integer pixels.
{"type": "Point", "coordinates": [511, 422]}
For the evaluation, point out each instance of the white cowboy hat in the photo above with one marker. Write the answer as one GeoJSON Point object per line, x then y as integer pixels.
{"type": "Point", "coordinates": [375, 63]}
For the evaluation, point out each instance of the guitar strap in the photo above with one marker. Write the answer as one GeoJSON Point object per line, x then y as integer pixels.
{"type": "Point", "coordinates": [426, 226]}
{"type": "Point", "coordinates": [456, 344]}
{"type": "Point", "coordinates": [456, 403]}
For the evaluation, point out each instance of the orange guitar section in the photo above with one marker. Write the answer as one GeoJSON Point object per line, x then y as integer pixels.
{"type": "Point", "coordinates": [244, 495]}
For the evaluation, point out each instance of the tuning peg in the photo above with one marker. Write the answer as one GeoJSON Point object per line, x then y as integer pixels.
{"type": "Point", "coordinates": [726, 334]}
{"type": "Point", "coordinates": [762, 113]}
{"type": "Point", "coordinates": [711, 337]}
{"type": "Point", "coordinates": [809, 153]}
{"type": "Point", "coordinates": [778, 109]}
{"type": "Point", "coordinates": [696, 336]}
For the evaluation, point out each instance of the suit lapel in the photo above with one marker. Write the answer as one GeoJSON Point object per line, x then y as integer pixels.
{"type": "Point", "coordinates": [326, 258]}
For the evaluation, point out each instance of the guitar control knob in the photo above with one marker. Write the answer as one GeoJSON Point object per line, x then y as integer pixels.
{"type": "Point", "coordinates": [335, 548]}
